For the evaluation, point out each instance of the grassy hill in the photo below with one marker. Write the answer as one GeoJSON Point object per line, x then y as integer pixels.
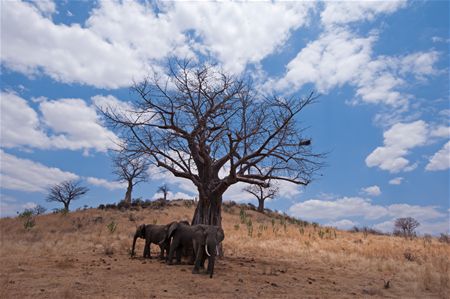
{"type": "Point", "coordinates": [85, 254]}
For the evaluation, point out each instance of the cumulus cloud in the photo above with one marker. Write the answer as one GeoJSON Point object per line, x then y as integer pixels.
{"type": "Point", "coordinates": [398, 140]}
{"type": "Point", "coordinates": [372, 190]}
{"type": "Point", "coordinates": [9, 206]}
{"type": "Point", "coordinates": [61, 124]}
{"type": "Point", "coordinates": [396, 181]}
{"type": "Point", "coordinates": [346, 207]}
{"type": "Point", "coordinates": [20, 125]}
{"type": "Point", "coordinates": [26, 175]}
{"type": "Point", "coordinates": [76, 125]}
{"type": "Point", "coordinates": [342, 224]}
{"type": "Point", "coordinates": [440, 160]}
{"type": "Point", "coordinates": [173, 196]}
{"type": "Point", "coordinates": [338, 13]}
{"type": "Point", "coordinates": [105, 183]}
{"type": "Point", "coordinates": [120, 40]}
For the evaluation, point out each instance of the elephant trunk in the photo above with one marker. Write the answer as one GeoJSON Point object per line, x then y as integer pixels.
{"type": "Point", "coordinates": [136, 235]}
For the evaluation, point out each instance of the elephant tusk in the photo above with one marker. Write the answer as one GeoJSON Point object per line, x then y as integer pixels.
{"type": "Point", "coordinates": [217, 250]}
{"type": "Point", "coordinates": [206, 248]}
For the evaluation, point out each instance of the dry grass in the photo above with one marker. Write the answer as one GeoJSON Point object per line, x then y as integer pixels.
{"type": "Point", "coordinates": [417, 267]}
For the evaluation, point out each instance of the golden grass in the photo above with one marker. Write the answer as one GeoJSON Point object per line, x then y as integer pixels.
{"type": "Point", "coordinates": [55, 235]}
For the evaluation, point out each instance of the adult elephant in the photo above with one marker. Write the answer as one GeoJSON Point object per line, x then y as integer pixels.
{"type": "Point", "coordinates": [155, 234]}
{"type": "Point", "coordinates": [179, 236]}
{"type": "Point", "coordinates": [206, 240]}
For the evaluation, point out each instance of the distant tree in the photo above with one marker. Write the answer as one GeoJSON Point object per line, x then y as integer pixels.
{"type": "Point", "coordinates": [164, 189]}
{"type": "Point", "coordinates": [131, 170]}
{"type": "Point", "coordinates": [65, 192]}
{"type": "Point", "coordinates": [262, 193]}
{"type": "Point", "coordinates": [38, 210]}
{"type": "Point", "coordinates": [406, 227]}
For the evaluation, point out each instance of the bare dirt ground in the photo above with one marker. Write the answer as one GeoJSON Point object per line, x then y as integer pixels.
{"type": "Point", "coordinates": [78, 256]}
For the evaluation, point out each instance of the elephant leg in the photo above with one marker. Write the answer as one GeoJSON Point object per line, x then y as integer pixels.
{"type": "Point", "coordinates": [198, 260]}
{"type": "Point", "coordinates": [178, 253]}
{"type": "Point", "coordinates": [162, 248]}
{"type": "Point", "coordinates": [147, 249]}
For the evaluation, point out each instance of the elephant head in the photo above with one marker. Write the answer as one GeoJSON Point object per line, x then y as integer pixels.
{"type": "Point", "coordinates": [208, 239]}
{"type": "Point", "coordinates": [140, 233]}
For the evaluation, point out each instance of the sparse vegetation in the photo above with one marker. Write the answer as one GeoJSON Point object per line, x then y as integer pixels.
{"type": "Point", "coordinates": [395, 267]}
{"type": "Point", "coordinates": [27, 217]}
{"type": "Point", "coordinates": [406, 227]}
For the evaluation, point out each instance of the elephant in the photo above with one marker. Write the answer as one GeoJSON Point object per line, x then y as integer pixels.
{"type": "Point", "coordinates": [179, 237]}
{"type": "Point", "coordinates": [206, 240]}
{"type": "Point", "coordinates": [152, 233]}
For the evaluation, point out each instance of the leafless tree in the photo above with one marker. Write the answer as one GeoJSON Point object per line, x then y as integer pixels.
{"type": "Point", "coordinates": [199, 121]}
{"type": "Point", "coordinates": [65, 192]}
{"type": "Point", "coordinates": [406, 227]}
{"type": "Point", "coordinates": [130, 169]}
{"type": "Point", "coordinates": [164, 189]}
{"type": "Point", "coordinates": [262, 193]}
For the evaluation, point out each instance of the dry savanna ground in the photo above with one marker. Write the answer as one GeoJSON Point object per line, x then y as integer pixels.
{"type": "Point", "coordinates": [85, 254]}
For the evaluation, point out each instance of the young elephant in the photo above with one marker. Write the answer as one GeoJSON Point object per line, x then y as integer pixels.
{"type": "Point", "coordinates": [180, 234]}
{"type": "Point", "coordinates": [206, 242]}
{"type": "Point", "coordinates": [152, 233]}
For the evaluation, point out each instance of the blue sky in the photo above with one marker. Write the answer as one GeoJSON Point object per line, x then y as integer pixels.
{"type": "Point", "coordinates": [382, 69]}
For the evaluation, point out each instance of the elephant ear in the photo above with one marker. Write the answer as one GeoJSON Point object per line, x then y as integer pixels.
{"type": "Point", "coordinates": [200, 231]}
{"type": "Point", "coordinates": [220, 235]}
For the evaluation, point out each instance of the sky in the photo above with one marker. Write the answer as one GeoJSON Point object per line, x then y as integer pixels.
{"type": "Point", "coordinates": [381, 69]}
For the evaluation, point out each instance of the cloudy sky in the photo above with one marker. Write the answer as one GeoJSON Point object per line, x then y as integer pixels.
{"type": "Point", "coordinates": [382, 69]}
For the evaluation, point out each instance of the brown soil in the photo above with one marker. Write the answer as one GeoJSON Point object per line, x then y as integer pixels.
{"type": "Point", "coordinates": [77, 256]}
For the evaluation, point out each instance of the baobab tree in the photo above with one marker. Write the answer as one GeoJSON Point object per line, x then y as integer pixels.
{"type": "Point", "coordinates": [216, 130]}
{"type": "Point", "coordinates": [262, 193]}
{"type": "Point", "coordinates": [65, 192]}
{"type": "Point", "coordinates": [130, 169]}
{"type": "Point", "coordinates": [164, 189]}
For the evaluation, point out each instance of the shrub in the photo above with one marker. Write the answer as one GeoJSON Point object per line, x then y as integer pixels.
{"type": "Point", "coordinates": [28, 218]}
{"type": "Point", "coordinates": [112, 226]}
{"type": "Point", "coordinates": [444, 238]}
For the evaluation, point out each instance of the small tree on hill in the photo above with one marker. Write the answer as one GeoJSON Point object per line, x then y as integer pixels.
{"type": "Point", "coordinates": [406, 227]}
{"type": "Point", "coordinates": [262, 193]}
{"type": "Point", "coordinates": [131, 170]}
{"type": "Point", "coordinates": [164, 189]}
{"type": "Point", "coordinates": [65, 192]}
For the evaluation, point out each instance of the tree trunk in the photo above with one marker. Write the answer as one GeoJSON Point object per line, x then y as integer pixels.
{"type": "Point", "coordinates": [127, 198]}
{"type": "Point", "coordinates": [66, 206]}
{"type": "Point", "coordinates": [261, 205]}
{"type": "Point", "coordinates": [208, 210]}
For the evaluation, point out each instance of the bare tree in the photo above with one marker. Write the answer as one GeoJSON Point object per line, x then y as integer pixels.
{"type": "Point", "coordinates": [262, 193]}
{"type": "Point", "coordinates": [406, 227]}
{"type": "Point", "coordinates": [130, 169]}
{"type": "Point", "coordinates": [164, 189]}
{"type": "Point", "coordinates": [199, 121]}
{"type": "Point", "coordinates": [65, 192]}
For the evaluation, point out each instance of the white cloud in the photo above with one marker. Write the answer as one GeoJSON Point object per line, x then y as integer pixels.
{"type": "Point", "coordinates": [69, 53]}
{"type": "Point", "coordinates": [238, 33]}
{"type": "Point", "coordinates": [398, 140]}
{"type": "Point", "coordinates": [105, 183]}
{"type": "Point", "coordinates": [120, 40]}
{"type": "Point", "coordinates": [47, 7]}
{"type": "Point", "coordinates": [173, 196]}
{"type": "Point", "coordinates": [337, 12]}
{"type": "Point", "coordinates": [76, 125]}
{"type": "Point", "coordinates": [9, 206]}
{"type": "Point", "coordinates": [63, 124]}
{"type": "Point", "coordinates": [350, 207]}
{"type": "Point", "coordinates": [20, 125]}
{"type": "Point", "coordinates": [440, 160]}
{"type": "Point", "coordinates": [26, 175]}
{"type": "Point", "coordinates": [372, 190]}
{"type": "Point", "coordinates": [396, 181]}
{"type": "Point", "coordinates": [342, 224]}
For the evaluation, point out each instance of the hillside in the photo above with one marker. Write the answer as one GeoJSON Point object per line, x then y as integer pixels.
{"type": "Point", "coordinates": [85, 254]}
